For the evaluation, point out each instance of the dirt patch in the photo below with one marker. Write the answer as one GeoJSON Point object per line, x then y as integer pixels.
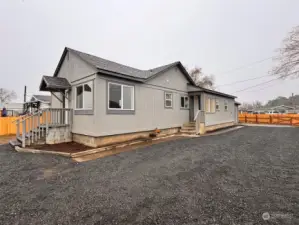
{"type": "Point", "coordinates": [128, 148]}
{"type": "Point", "coordinates": [70, 147]}
{"type": "Point", "coordinates": [6, 138]}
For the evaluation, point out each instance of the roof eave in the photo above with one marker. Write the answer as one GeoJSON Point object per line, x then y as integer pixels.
{"type": "Point", "coordinates": [213, 92]}
{"type": "Point", "coordinates": [118, 75]}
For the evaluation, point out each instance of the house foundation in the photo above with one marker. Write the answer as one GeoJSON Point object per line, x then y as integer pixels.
{"type": "Point", "coordinates": [119, 138]}
{"type": "Point", "coordinates": [60, 134]}
{"type": "Point", "coordinates": [218, 126]}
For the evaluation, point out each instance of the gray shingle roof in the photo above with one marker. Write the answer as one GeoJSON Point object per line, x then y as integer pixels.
{"type": "Point", "coordinates": [43, 98]}
{"type": "Point", "coordinates": [54, 83]}
{"type": "Point", "coordinates": [107, 65]}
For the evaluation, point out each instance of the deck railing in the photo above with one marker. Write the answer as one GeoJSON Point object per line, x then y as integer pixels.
{"type": "Point", "coordinates": [37, 125]}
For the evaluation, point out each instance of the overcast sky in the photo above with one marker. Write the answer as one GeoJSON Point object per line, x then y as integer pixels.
{"type": "Point", "coordinates": [216, 35]}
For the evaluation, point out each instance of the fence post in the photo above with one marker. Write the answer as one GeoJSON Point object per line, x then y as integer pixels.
{"type": "Point", "coordinates": [270, 119]}
{"type": "Point", "coordinates": [291, 121]}
{"type": "Point", "coordinates": [23, 133]}
{"type": "Point", "coordinates": [256, 119]}
{"type": "Point", "coordinates": [245, 118]}
{"type": "Point", "coordinates": [18, 128]}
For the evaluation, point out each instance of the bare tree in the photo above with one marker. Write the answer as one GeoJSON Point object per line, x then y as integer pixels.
{"type": "Point", "coordinates": [202, 80]}
{"type": "Point", "coordinates": [288, 58]}
{"type": "Point", "coordinates": [251, 106]}
{"type": "Point", "coordinates": [6, 95]}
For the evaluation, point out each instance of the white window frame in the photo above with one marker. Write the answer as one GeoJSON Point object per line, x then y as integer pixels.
{"type": "Point", "coordinates": [171, 99]}
{"type": "Point", "coordinates": [185, 97]}
{"type": "Point", "coordinates": [122, 94]}
{"type": "Point", "coordinates": [225, 106]}
{"type": "Point", "coordinates": [83, 99]}
{"type": "Point", "coordinates": [217, 104]}
{"type": "Point", "coordinates": [209, 108]}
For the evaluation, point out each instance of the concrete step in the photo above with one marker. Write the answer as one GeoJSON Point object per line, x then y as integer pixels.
{"type": "Point", "coordinates": [189, 125]}
{"type": "Point", "coordinates": [188, 131]}
{"type": "Point", "coordinates": [13, 143]}
{"type": "Point", "coordinates": [188, 128]}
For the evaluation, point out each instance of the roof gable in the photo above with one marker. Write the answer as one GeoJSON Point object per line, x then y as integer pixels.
{"type": "Point", "coordinates": [116, 69]}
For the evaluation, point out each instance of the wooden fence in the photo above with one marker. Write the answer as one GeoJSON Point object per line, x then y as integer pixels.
{"type": "Point", "coordinates": [279, 119]}
{"type": "Point", "coordinates": [7, 127]}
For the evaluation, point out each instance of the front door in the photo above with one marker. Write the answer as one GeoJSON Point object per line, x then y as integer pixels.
{"type": "Point", "coordinates": [191, 108]}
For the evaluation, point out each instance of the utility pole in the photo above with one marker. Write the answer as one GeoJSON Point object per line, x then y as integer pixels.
{"type": "Point", "coordinates": [25, 94]}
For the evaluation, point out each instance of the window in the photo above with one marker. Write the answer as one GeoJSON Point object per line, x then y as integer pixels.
{"type": "Point", "coordinates": [217, 106]}
{"type": "Point", "coordinates": [225, 106]}
{"type": "Point", "coordinates": [210, 105]}
{"type": "Point", "coordinates": [213, 105]}
{"type": "Point", "coordinates": [185, 102]}
{"type": "Point", "coordinates": [168, 100]}
{"type": "Point", "coordinates": [120, 96]}
{"type": "Point", "coordinates": [84, 96]}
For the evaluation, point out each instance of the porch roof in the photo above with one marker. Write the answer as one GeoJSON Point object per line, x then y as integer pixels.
{"type": "Point", "coordinates": [194, 90]}
{"type": "Point", "coordinates": [54, 84]}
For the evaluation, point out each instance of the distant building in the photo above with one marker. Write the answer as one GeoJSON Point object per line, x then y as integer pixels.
{"type": "Point", "coordinates": [12, 108]}
{"type": "Point", "coordinates": [37, 102]}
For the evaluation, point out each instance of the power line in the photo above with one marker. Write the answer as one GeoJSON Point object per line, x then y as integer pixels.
{"type": "Point", "coordinates": [245, 66]}
{"type": "Point", "coordinates": [263, 88]}
{"type": "Point", "coordinates": [264, 82]}
{"type": "Point", "coordinates": [241, 81]}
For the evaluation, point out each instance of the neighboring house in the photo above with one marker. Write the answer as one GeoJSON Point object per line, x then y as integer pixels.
{"type": "Point", "coordinates": [37, 102]}
{"type": "Point", "coordinates": [44, 100]}
{"type": "Point", "coordinates": [281, 109]}
{"type": "Point", "coordinates": [114, 103]}
{"type": "Point", "coordinates": [12, 108]}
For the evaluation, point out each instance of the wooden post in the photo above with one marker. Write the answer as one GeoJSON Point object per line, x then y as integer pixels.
{"type": "Point", "coordinates": [256, 119]}
{"type": "Point", "coordinates": [38, 124]}
{"type": "Point", "coordinates": [291, 121]}
{"type": "Point", "coordinates": [270, 119]}
{"type": "Point", "coordinates": [23, 133]}
{"type": "Point", "coordinates": [245, 118]}
{"type": "Point", "coordinates": [18, 128]}
{"type": "Point", "coordinates": [47, 122]}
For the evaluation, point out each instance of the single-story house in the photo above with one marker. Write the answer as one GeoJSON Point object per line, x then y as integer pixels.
{"type": "Point", "coordinates": [36, 103]}
{"type": "Point", "coordinates": [12, 108]}
{"type": "Point", "coordinates": [111, 102]}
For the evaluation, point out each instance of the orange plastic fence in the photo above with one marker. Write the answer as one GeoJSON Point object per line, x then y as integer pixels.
{"type": "Point", "coordinates": [282, 119]}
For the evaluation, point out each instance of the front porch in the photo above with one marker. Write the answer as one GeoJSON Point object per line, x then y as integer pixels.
{"type": "Point", "coordinates": [47, 126]}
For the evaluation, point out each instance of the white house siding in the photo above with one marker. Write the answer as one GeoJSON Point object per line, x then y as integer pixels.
{"type": "Point", "coordinates": [150, 112]}
{"type": "Point", "coordinates": [220, 116]}
{"type": "Point", "coordinates": [76, 71]}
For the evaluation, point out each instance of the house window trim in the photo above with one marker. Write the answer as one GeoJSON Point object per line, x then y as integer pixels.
{"type": "Point", "coordinates": [120, 109]}
{"type": "Point", "coordinates": [171, 100]}
{"type": "Point", "coordinates": [83, 100]}
{"type": "Point", "coordinates": [225, 105]}
{"type": "Point", "coordinates": [217, 103]}
{"type": "Point", "coordinates": [209, 100]}
{"type": "Point", "coordinates": [185, 96]}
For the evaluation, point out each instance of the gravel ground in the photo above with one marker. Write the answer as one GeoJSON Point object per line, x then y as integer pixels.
{"type": "Point", "coordinates": [232, 178]}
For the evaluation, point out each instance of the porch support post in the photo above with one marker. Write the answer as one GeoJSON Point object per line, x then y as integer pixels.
{"type": "Point", "coordinates": [202, 123]}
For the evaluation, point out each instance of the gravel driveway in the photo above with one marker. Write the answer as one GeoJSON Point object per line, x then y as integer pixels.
{"type": "Point", "coordinates": [232, 178]}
